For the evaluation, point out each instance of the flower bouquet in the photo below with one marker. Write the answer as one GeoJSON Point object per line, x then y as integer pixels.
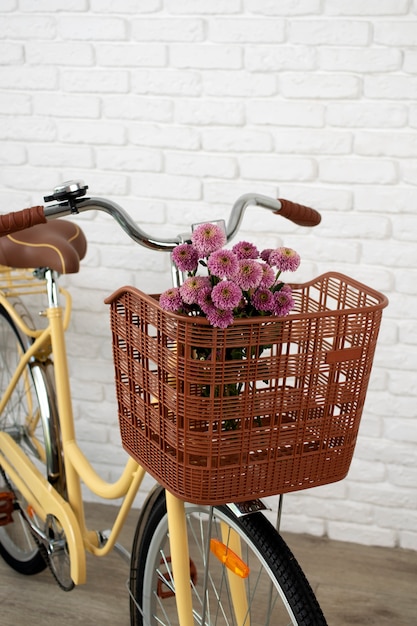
{"type": "Point", "coordinates": [238, 283]}
{"type": "Point", "coordinates": [241, 282]}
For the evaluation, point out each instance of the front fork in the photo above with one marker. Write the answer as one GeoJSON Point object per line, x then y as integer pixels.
{"type": "Point", "coordinates": [180, 559]}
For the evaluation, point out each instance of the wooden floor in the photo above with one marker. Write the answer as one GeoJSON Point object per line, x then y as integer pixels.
{"type": "Point", "coordinates": [354, 584]}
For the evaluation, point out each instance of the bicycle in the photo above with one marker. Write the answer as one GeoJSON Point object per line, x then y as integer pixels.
{"type": "Point", "coordinates": [205, 562]}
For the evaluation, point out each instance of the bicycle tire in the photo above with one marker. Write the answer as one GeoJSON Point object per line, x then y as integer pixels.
{"type": "Point", "coordinates": [30, 417]}
{"type": "Point", "coordinates": [277, 590]}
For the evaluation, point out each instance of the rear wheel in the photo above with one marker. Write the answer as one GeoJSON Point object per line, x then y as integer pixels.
{"type": "Point", "coordinates": [275, 591]}
{"type": "Point", "coordinates": [30, 418]}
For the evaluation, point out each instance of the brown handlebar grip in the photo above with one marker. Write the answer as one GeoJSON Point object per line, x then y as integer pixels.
{"type": "Point", "coordinates": [20, 220]}
{"type": "Point", "coordinates": [298, 213]}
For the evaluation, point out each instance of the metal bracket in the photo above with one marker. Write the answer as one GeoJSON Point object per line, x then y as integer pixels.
{"type": "Point", "coordinates": [240, 509]}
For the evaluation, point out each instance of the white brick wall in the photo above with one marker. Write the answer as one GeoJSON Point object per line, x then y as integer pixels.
{"type": "Point", "coordinates": [174, 108]}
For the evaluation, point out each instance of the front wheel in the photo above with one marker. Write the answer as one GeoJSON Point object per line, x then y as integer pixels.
{"type": "Point", "coordinates": [275, 592]}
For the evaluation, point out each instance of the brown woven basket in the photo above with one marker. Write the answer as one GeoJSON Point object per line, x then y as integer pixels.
{"type": "Point", "coordinates": [302, 387]}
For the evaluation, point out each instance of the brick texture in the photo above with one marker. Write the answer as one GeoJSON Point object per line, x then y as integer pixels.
{"type": "Point", "coordinates": [174, 108]}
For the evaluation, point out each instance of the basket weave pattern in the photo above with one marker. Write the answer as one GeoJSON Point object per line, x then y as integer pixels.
{"type": "Point", "coordinates": [296, 420]}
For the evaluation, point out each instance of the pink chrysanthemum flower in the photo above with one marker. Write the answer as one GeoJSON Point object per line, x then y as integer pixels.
{"type": "Point", "coordinates": [192, 286]}
{"type": "Point", "coordinates": [185, 257]}
{"type": "Point", "coordinates": [263, 300]}
{"type": "Point", "coordinates": [245, 250]}
{"type": "Point", "coordinates": [171, 300]}
{"type": "Point", "coordinates": [268, 275]}
{"type": "Point", "coordinates": [204, 300]}
{"type": "Point", "coordinates": [207, 238]}
{"type": "Point", "coordinates": [284, 302]}
{"type": "Point", "coordinates": [226, 295]}
{"type": "Point", "coordinates": [285, 259]}
{"type": "Point", "coordinates": [220, 318]}
{"type": "Point", "coordinates": [265, 254]}
{"type": "Point", "coordinates": [223, 263]}
{"type": "Point", "coordinates": [286, 289]}
{"type": "Point", "coordinates": [249, 274]}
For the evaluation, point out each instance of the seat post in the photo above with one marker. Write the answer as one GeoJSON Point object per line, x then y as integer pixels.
{"type": "Point", "coordinates": [51, 277]}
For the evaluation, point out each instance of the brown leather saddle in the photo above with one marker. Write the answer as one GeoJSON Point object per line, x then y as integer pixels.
{"type": "Point", "coordinates": [59, 245]}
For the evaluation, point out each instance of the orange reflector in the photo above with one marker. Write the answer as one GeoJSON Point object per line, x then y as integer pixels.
{"type": "Point", "coordinates": [229, 558]}
{"type": "Point", "coordinates": [30, 511]}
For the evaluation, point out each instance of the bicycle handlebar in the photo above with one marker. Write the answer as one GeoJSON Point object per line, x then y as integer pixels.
{"type": "Point", "coordinates": [72, 202]}
{"type": "Point", "coordinates": [298, 213]}
{"type": "Point", "coordinates": [20, 220]}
